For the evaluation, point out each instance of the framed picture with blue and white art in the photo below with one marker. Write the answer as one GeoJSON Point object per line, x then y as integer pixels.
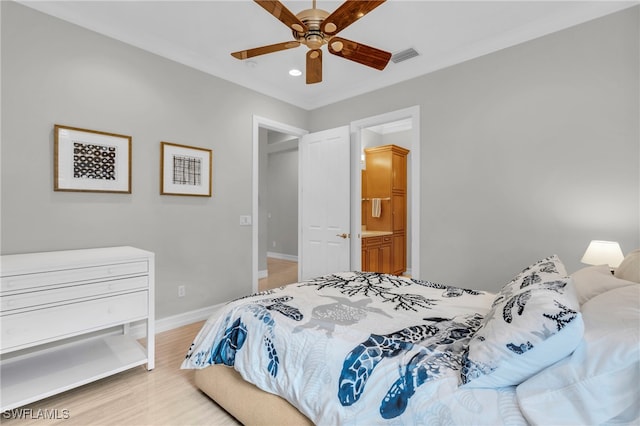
{"type": "Point", "coordinates": [91, 161]}
{"type": "Point", "coordinates": [185, 170]}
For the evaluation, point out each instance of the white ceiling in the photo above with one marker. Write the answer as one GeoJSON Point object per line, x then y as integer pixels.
{"type": "Point", "coordinates": [202, 34]}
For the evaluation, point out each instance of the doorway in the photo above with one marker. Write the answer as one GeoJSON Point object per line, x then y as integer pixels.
{"type": "Point", "coordinates": [274, 204]}
{"type": "Point", "coordinates": [401, 127]}
{"type": "Point", "coordinates": [278, 210]}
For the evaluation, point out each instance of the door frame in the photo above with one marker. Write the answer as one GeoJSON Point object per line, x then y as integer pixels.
{"type": "Point", "coordinates": [412, 113]}
{"type": "Point", "coordinates": [264, 123]}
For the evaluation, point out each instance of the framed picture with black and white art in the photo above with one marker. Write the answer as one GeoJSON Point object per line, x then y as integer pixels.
{"type": "Point", "coordinates": [91, 161]}
{"type": "Point", "coordinates": [185, 170]}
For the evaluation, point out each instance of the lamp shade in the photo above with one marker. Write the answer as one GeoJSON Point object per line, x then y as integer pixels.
{"type": "Point", "coordinates": [603, 253]}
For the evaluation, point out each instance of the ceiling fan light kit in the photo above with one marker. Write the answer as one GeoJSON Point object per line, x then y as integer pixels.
{"type": "Point", "coordinates": [316, 27]}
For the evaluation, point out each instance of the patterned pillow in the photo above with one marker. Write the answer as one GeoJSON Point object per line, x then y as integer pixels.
{"type": "Point", "coordinates": [534, 321]}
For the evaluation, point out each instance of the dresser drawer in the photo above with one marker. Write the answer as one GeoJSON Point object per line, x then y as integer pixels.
{"type": "Point", "coordinates": [36, 299]}
{"type": "Point", "coordinates": [39, 326]}
{"type": "Point", "coordinates": [69, 276]}
{"type": "Point", "coordinates": [371, 241]}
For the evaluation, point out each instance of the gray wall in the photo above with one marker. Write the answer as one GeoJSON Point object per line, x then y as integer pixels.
{"type": "Point", "coordinates": [283, 202]}
{"type": "Point", "coordinates": [55, 72]}
{"type": "Point", "coordinates": [278, 196]}
{"type": "Point", "coordinates": [526, 152]}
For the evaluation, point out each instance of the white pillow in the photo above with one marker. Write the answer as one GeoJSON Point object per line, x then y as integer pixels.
{"type": "Point", "coordinates": [599, 381]}
{"type": "Point", "coordinates": [534, 322]}
{"type": "Point", "coordinates": [629, 269]}
{"type": "Point", "coordinates": [594, 280]}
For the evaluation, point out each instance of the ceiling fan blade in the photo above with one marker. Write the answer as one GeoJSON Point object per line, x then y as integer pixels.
{"type": "Point", "coordinates": [250, 53]}
{"type": "Point", "coordinates": [314, 66]}
{"type": "Point", "coordinates": [345, 15]}
{"type": "Point", "coordinates": [360, 53]}
{"type": "Point", "coordinates": [283, 14]}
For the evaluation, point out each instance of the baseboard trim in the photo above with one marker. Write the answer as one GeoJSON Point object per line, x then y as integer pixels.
{"type": "Point", "coordinates": [139, 330]}
{"type": "Point", "coordinates": [282, 256]}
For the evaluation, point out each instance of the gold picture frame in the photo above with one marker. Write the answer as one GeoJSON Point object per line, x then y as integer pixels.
{"type": "Point", "coordinates": [185, 170]}
{"type": "Point", "coordinates": [91, 161]}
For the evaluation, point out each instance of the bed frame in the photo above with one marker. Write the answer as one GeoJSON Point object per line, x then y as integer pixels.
{"type": "Point", "coordinates": [244, 401]}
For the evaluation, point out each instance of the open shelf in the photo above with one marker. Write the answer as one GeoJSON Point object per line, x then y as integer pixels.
{"type": "Point", "coordinates": [38, 375]}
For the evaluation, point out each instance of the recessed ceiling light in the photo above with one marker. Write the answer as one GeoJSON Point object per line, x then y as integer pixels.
{"type": "Point", "coordinates": [251, 63]}
{"type": "Point", "coordinates": [295, 72]}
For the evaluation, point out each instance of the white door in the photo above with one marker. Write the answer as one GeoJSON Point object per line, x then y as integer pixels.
{"type": "Point", "coordinates": [324, 203]}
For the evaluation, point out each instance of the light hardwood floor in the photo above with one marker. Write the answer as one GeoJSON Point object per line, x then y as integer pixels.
{"type": "Point", "coordinates": [165, 396]}
{"type": "Point", "coordinates": [281, 272]}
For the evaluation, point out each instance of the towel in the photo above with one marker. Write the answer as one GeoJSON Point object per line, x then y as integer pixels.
{"type": "Point", "coordinates": [376, 207]}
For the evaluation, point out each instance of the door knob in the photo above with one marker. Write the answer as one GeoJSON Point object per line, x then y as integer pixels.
{"type": "Point", "coordinates": [345, 236]}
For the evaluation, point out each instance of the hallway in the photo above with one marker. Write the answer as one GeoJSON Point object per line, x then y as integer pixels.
{"type": "Point", "coordinates": [281, 272]}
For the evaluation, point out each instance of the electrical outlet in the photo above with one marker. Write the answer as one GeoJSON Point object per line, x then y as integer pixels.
{"type": "Point", "coordinates": [182, 291]}
{"type": "Point", "coordinates": [245, 220]}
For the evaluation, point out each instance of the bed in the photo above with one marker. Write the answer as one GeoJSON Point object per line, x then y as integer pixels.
{"type": "Point", "coordinates": [365, 348]}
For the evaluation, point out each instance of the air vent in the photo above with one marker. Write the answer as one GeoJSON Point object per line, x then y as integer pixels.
{"type": "Point", "coordinates": [404, 55]}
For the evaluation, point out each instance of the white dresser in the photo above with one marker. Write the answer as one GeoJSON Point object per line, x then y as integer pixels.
{"type": "Point", "coordinates": [51, 301]}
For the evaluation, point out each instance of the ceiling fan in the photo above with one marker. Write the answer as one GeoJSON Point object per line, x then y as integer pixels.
{"type": "Point", "coordinates": [314, 28]}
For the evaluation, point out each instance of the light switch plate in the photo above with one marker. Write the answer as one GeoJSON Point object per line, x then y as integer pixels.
{"type": "Point", "coordinates": [245, 220]}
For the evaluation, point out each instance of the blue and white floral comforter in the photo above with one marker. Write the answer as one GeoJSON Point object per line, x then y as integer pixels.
{"type": "Point", "coordinates": [358, 348]}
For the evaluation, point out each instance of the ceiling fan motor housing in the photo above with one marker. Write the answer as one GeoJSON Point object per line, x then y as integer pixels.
{"type": "Point", "coordinates": [312, 18]}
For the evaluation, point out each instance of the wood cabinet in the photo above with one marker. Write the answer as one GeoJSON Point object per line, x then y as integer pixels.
{"type": "Point", "coordinates": [385, 182]}
{"type": "Point", "coordinates": [399, 259]}
{"type": "Point", "coordinates": [377, 254]}
{"type": "Point", "coordinates": [62, 299]}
